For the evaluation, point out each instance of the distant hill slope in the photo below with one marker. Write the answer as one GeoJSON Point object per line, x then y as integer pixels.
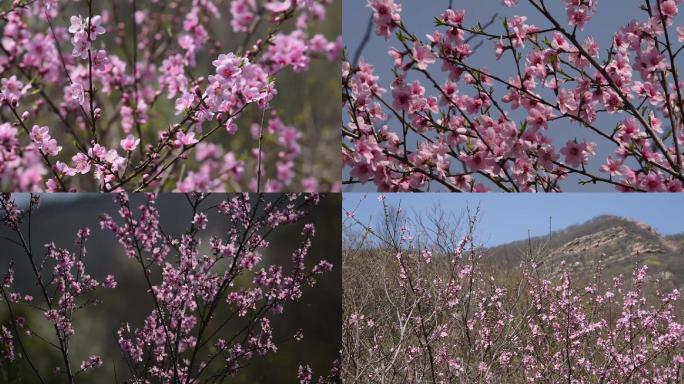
{"type": "Point", "coordinates": [618, 242]}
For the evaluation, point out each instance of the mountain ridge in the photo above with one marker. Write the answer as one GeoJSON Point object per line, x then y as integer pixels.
{"type": "Point", "coordinates": [618, 243]}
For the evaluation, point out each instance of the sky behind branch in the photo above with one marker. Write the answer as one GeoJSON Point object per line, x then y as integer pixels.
{"type": "Point", "coordinates": [419, 17]}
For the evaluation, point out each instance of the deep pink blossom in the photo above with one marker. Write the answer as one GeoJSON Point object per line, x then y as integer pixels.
{"type": "Point", "coordinates": [499, 128]}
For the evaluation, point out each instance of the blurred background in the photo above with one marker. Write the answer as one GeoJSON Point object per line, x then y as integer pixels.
{"type": "Point", "coordinates": [61, 215]}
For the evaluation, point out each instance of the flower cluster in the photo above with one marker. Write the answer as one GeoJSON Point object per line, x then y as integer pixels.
{"type": "Point", "coordinates": [70, 282]}
{"type": "Point", "coordinates": [461, 134]}
{"type": "Point", "coordinates": [84, 34]}
{"type": "Point", "coordinates": [7, 341]}
{"type": "Point", "coordinates": [385, 16]}
{"type": "Point", "coordinates": [99, 116]}
{"type": "Point", "coordinates": [218, 167]}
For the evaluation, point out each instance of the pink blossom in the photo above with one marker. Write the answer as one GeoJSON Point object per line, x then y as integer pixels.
{"type": "Point", "coordinates": [243, 13]}
{"type": "Point", "coordinates": [92, 362]}
{"type": "Point", "coordinates": [41, 138]}
{"type": "Point", "coordinates": [653, 182]}
{"type": "Point", "coordinates": [12, 89]}
{"type": "Point", "coordinates": [423, 55]}
{"type": "Point", "coordinates": [184, 139]}
{"type": "Point", "coordinates": [576, 153]}
{"type": "Point", "coordinates": [276, 6]}
{"type": "Point", "coordinates": [129, 143]}
{"type": "Point", "coordinates": [81, 163]}
{"type": "Point", "coordinates": [289, 50]}
{"type": "Point", "coordinates": [613, 167]}
{"type": "Point", "coordinates": [74, 95]}
{"type": "Point", "coordinates": [109, 282]}
{"type": "Point", "coordinates": [385, 16]}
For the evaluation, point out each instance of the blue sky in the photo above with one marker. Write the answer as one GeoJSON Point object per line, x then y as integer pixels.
{"type": "Point", "coordinates": [508, 217]}
{"type": "Point", "coordinates": [418, 16]}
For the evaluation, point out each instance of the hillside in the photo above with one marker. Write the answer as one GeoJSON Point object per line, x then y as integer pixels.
{"type": "Point", "coordinates": [617, 242]}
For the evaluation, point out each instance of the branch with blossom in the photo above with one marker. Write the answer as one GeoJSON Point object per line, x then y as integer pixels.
{"type": "Point", "coordinates": [461, 134]}
{"type": "Point", "coordinates": [422, 307]}
{"type": "Point", "coordinates": [89, 91]}
{"type": "Point", "coordinates": [64, 286]}
{"type": "Point", "coordinates": [211, 306]}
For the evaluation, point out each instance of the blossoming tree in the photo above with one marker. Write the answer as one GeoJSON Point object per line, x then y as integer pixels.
{"type": "Point", "coordinates": [481, 129]}
{"type": "Point", "coordinates": [424, 306]}
{"type": "Point", "coordinates": [211, 306]}
{"type": "Point", "coordinates": [147, 95]}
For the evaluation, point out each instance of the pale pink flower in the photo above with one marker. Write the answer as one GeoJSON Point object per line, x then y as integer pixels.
{"type": "Point", "coordinates": [130, 143]}
{"type": "Point", "coordinates": [185, 139]}
{"type": "Point", "coordinates": [423, 55]}
{"type": "Point", "coordinates": [74, 95]}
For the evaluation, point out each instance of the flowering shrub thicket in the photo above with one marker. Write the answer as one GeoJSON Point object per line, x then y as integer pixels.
{"type": "Point", "coordinates": [461, 134]}
{"type": "Point", "coordinates": [422, 314]}
{"type": "Point", "coordinates": [88, 93]}
{"type": "Point", "coordinates": [210, 313]}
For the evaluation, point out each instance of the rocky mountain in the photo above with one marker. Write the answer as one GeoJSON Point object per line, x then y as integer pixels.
{"type": "Point", "coordinates": [617, 243]}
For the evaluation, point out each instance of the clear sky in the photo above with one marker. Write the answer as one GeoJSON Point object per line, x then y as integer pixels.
{"type": "Point", "coordinates": [508, 217]}
{"type": "Point", "coordinates": [418, 16]}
